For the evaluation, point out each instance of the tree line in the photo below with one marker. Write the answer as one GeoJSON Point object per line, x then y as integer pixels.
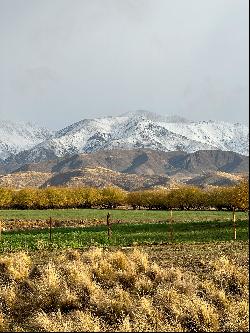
{"type": "Point", "coordinates": [183, 198]}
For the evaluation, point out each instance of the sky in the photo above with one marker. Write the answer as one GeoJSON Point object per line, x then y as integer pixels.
{"type": "Point", "coordinates": [62, 61]}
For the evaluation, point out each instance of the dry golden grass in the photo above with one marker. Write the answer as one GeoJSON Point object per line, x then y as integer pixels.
{"type": "Point", "coordinates": [123, 291]}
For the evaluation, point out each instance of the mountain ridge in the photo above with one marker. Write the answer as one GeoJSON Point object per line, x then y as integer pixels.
{"type": "Point", "coordinates": [144, 161]}
{"type": "Point", "coordinates": [132, 130]}
{"type": "Point", "coordinates": [135, 169]}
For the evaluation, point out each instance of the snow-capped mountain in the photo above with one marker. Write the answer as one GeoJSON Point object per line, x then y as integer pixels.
{"type": "Point", "coordinates": [139, 129]}
{"type": "Point", "coordinates": [16, 137]}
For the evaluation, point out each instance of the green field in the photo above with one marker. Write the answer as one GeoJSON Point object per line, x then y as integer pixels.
{"type": "Point", "coordinates": [124, 235]}
{"type": "Point", "coordinates": [127, 216]}
{"type": "Point", "coordinates": [129, 227]}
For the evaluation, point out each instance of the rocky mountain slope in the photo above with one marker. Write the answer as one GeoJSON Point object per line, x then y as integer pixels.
{"type": "Point", "coordinates": [21, 180]}
{"type": "Point", "coordinates": [94, 177]}
{"type": "Point", "coordinates": [133, 169]}
{"type": "Point", "coordinates": [101, 177]}
{"type": "Point", "coordinates": [137, 130]}
{"type": "Point", "coordinates": [216, 178]}
{"type": "Point", "coordinates": [147, 162]}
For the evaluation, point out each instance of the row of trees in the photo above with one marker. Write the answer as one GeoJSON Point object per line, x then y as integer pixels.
{"type": "Point", "coordinates": [187, 198]}
{"type": "Point", "coordinates": [184, 198]}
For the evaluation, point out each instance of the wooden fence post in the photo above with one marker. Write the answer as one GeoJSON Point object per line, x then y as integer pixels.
{"type": "Point", "coordinates": [50, 229]}
{"type": "Point", "coordinates": [108, 225]}
{"type": "Point", "coordinates": [171, 226]}
{"type": "Point", "coordinates": [234, 223]}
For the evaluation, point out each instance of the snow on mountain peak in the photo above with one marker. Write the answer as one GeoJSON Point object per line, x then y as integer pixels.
{"type": "Point", "coordinates": [139, 129]}
{"type": "Point", "coordinates": [16, 137]}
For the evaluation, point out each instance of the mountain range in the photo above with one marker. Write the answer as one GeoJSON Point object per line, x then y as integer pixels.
{"type": "Point", "coordinates": [133, 169]}
{"type": "Point", "coordinates": [137, 149]}
{"type": "Point", "coordinates": [140, 129]}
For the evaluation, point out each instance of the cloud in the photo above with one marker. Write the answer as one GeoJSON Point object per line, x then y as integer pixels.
{"type": "Point", "coordinates": [64, 60]}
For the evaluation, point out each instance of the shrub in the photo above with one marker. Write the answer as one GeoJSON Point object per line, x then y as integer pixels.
{"type": "Point", "coordinates": [116, 291]}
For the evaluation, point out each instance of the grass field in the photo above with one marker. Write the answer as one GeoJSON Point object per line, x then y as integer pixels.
{"type": "Point", "coordinates": [150, 275]}
{"type": "Point", "coordinates": [127, 216]}
{"type": "Point", "coordinates": [124, 234]}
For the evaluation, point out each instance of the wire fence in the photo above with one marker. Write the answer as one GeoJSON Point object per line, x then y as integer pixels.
{"type": "Point", "coordinates": [54, 233]}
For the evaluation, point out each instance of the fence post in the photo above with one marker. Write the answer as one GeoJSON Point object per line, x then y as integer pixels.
{"type": "Point", "coordinates": [0, 230]}
{"type": "Point", "coordinates": [108, 225]}
{"type": "Point", "coordinates": [50, 229]}
{"type": "Point", "coordinates": [171, 226]}
{"type": "Point", "coordinates": [234, 223]}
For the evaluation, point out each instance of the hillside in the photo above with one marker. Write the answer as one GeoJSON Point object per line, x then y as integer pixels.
{"type": "Point", "coordinates": [94, 177]}
{"type": "Point", "coordinates": [146, 162]}
{"type": "Point", "coordinates": [24, 179]}
{"type": "Point", "coordinates": [216, 179]}
{"type": "Point", "coordinates": [133, 170]}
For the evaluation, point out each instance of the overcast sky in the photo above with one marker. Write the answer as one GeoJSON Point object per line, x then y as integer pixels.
{"type": "Point", "coordinates": [65, 60]}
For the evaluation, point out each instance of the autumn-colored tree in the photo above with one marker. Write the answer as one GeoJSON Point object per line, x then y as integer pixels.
{"type": "Point", "coordinates": [42, 199]}
{"type": "Point", "coordinates": [148, 199]}
{"type": "Point", "coordinates": [135, 199]}
{"type": "Point", "coordinates": [55, 197]}
{"type": "Point", "coordinates": [240, 196]}
{"type": "Point", "coordinates": [26, 198]}
{"type": "Point", "coordinates": [221, 198]}
{"type": "Point", "coordinates": [6, 198]}
{"type": "Point", "coordinates": [92, 197]}
{"type": "Point", "coordinates": [185, 197]}
{"type": "Point", "coordinates": [75, 197]}
{"type": "Point", "coordinates": [113, 197]}
{"type": "Point", "coordinates": [159, 199]}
